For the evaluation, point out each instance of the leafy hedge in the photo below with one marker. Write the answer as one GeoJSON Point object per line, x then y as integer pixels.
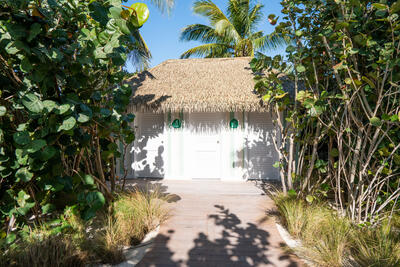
{"type": "Point", "coordinates": [62, 104]}
{"type": "Point", "coordinates": [341, 131]}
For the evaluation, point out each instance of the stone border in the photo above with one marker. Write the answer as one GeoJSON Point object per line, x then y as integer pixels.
{"type": "Point", "coordinates": [291, 242]}
{"type": "Point", "coordinates": [135, 254]}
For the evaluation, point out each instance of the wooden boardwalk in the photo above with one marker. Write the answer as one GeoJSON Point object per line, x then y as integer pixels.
{"type": "Point", "coordinates": [217, 223]}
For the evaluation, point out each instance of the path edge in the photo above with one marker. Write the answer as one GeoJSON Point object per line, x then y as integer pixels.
{"type": "Point", "coordinates": [136, 253]}
{"type": "Point", "coordinates": [292, 243]}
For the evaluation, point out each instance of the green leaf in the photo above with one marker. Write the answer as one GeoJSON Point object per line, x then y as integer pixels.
{"type": "Point", "coordinates": [24, 210]}
{"type": "Point", "coordinates": [22, 157]}
{"type": "Point", "coordinates": [103, 37]}
{"type": "Point", "coordinates": [22, 127]}
{"type": "Point", "coordinates": [292, 193]}
{"type": "Point", "coordinates": [32, 103]}
{"type": "Point", "coordinates": [25, 66]}
{"type": "Point", "coordinates": [395, 7]}
{"type": "Point", "coordinates": [35, 30]}
{"type": "Point", "coordinates": [141, 16]}
{"type": "Point", "coordinates": [3, 111]}
{"type": "Point", "coordinates": [105, 112]}
{"type": "Point", "coordinates": [370, 83]}
{"type": "Point", "coordinates": [115, 12]}
{"type": "Point", "coordinates": [300, 68]}
{"type": "Point", "coordinates": [11, 237]}
{"type": "Point", "coordinates": [63, 108]}
{"type": "Point", "coordinates": [348, 81]}
{"type": "Point", "coordinates": [88, 179]}
{"type": "Point", "coordinates": [95, 199]}
{"type": "Point", "coordinates": [379, 6]}
{"type": "Point", "coordinates": [67, 124]}
{"type": "Point", "coordinates": [375, 121]}
{"type": "Point", "coordinates": [47, 153]}
{"type": "Point", "coordinates": [334, 152]}
{"type": "Point", "coordinates": [56, 55]}
{"type": "Point", "coordinates": [36, 145]}
{"type": "Point", "coordinates": [281, 95]}
{"type": "Point", "coordinates": [89, 214]}
{"type": "Point", "coordinates": [21, 138]}
{"type": "Point", "coordinates": [309, 198]}
{"type": "Point", "coordinates": [82, 117]}
{"type": "Point", "coordinates": [48, 208]}
{"type": "Point", "coordinates": [23, 174]}
{"type": "Point", "coordinates": [122, 26]}
{"type": "Point", "coordinates": [49, 105]}
{"type": "Point", "coordinates": [99, 53]}
{"type": "Point", "coordinates": [11, 49]}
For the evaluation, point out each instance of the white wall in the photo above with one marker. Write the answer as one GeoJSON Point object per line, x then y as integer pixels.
{"type": "Point", "coordinates": [244, 153]}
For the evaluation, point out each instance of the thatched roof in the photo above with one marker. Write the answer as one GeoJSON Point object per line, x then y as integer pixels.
{"type": "Point", "coordinates": [189, 85]}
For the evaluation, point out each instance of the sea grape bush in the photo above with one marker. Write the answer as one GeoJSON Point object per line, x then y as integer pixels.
{"type": "Point", "coordinates": [341, 129]}
{"type": "Point", "coordinates": [62, 104]}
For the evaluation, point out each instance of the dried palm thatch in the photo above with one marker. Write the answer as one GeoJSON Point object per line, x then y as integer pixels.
{"type": "Point", "coordinates": [196, 85]}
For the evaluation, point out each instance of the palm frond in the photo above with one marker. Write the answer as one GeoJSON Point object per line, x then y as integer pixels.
{"type": "Point", "coordinates": [255, 16]}
{"type": "Point", "coordinates": [224, 28]}
{"type": "Point", "coordinates": [200, 32]}
{"type": "Point", "coordinates": [139, 54]}
{"type": "Point", "coordinates": [238, 14]}
{"type": "Point", "coordinates": [256, 35]}
{"type": "Point", "coordinates": [209, 10]}
{"type": "Point", "coordinates": [236, 30]}
{"type": "Point", "coordinates": [268, 42]}
{"type": "Point", "coordinates": [212, 12]}
{"type": "Point", "coordinates": [164, 5]}
{"type": "Point", "coordinates": [208, 50]}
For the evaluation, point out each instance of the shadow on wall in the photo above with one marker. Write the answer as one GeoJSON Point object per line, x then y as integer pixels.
{"type": "Point", "coordinates": [148, 153]}
{"type": "Point", "coordinates": [261, 155]}
{"type": "Point", "coordinates": [235, 245]}
{"type": "Point", "coordinates": [255, 158]}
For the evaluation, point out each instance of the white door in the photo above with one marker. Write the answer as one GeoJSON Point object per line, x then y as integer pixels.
{"type": "Point", "coordinates": [149, 151]}
{"type": "Point", "coordinates": [205, 145]}
{"type": "Point", "coordinates": [260, 149]}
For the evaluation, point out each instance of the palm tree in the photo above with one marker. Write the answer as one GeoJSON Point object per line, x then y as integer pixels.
{"type": "Point", "coordinates": [232, 35]}
{"type": "Point", "coordinates": [139, 54]}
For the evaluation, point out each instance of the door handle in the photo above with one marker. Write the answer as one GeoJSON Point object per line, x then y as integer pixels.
{"type": "Point", "coordinates": [217, 142]}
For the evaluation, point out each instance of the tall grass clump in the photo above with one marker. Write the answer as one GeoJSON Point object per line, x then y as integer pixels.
{"type": "Point", "coordinates": [332, 240]}
{"type": "Point", "coordinates": [135, 213]}
{"type": "Point", "coordinates": [293, 214]}
{"type": "Point", "coordinates": [41, 248]}
{"type": "Point", "coordinates": [324, 237]}
{"type": "Point", "coordinates": [378, 246]}
{"type": "Point", "coordinates": [101, 240]}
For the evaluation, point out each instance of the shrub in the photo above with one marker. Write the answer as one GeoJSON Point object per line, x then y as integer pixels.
{"type": "Point", "coordinates": [103, 238]}
{"type": "Point", "coordinates": [324, 236]}
{"type": "Point", "coordinates": [42, 249]}
{"type": "Point", "coordinates": [63, 104]}
{"type": "Point", "coordinates": [378, 246]}
{"type": "Point", "coordinates": [135, 214]}
{"type": "Point", "coordinates": [331, 240]}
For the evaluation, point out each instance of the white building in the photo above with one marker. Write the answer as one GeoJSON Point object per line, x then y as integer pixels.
{"type": "Point", "coordinates": [200, 119]}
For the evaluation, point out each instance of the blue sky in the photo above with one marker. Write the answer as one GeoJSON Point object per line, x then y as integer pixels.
{"type": "Point", "coordinates": [161, 32]}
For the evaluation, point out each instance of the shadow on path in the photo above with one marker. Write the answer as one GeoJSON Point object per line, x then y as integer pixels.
{"type": "Point", "coordinates": [234, 244]}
